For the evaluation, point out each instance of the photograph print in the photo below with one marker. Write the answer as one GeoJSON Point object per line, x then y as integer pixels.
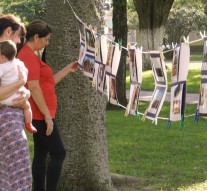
{"type": "Point", "coordinates": [156, 102]}
{"type": "Point", "coordinates": [133, 66]}
{"type": "Point", "coordinates": [89, 65]}
{"type": "Point", "coordinates": [157, 66]}
{"type": "Point", "coordinates": [109, 57]}
{"type": "Point", "coordinates": [205, 49]}
{"type": "Point", "coordinates": [90, 40]}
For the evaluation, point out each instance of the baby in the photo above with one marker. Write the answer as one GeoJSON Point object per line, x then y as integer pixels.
{"type": "Point", "coordinates": [9, 74]}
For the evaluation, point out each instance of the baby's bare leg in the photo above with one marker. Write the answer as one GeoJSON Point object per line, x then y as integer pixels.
{"type": "Point", "coordinates": [27, 112]}
{"type": "Point", "coordinates": [28, 117]}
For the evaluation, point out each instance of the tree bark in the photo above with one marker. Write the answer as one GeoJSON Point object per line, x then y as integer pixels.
{"type": "Point", "coordinates": [81, 109]}
{"type": "Point", "coordinates": [120, 31]}
{"type": "Point", "coordinates": [152, 15]}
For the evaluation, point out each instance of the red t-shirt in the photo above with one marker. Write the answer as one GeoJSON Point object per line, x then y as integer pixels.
{"type": "Point", "coordinates": [38, 70]}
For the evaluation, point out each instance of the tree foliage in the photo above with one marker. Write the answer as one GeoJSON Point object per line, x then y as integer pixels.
{"type": "Point", "coordinates": [27, 10]}
{"type": "Point", "coordinates": [185, 16]}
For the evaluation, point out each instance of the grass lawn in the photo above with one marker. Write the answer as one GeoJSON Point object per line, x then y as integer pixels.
{"type": "Point", "coordinates": [174, 158]}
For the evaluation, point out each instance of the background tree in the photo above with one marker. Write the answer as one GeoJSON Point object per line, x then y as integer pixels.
{"type": "Point", "coordinates": [120, 31]}
{"type": "Point", "coordinates": [185, 16]}
{"type": "Point", "coordinates": [81, 109]}
{"type": "Point", "coordinates": [152, 15]}
{"type": "Point", "coordinates": [28, 10]}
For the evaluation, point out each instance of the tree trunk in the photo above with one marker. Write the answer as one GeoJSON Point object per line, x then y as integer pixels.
{"type": "Point", "coordinates": [120, 31]}
{"type": "Point", "coordinates": [152, 15]}
{"type": "Point", "coordinates": [81, 109]}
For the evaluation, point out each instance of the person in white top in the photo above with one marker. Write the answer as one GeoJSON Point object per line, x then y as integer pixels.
{"type": "Point", "coordinates": [9, 66]}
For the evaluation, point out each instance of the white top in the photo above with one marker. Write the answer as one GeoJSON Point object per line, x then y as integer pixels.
{"type": "Point", "coordinates": [9, 75]}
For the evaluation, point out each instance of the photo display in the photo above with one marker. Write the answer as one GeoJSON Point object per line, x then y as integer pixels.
{"type": "Point", "coordinates": [160, 76]}
{"type": "Point", "coordinates": [180, 65]}
{"type": "Point", "coordinates": [135, 66]}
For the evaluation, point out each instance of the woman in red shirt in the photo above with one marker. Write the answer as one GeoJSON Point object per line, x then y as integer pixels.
{"type": "Point", "coordinates": [41, 82]}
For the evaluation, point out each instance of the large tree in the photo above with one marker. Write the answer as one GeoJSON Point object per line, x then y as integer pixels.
{"type": "Point", "coordinates": [152, 15]}
{"type": "Point", "coordinates": [120, 33]}
{"type": "Point", "coordinates": [81, 109]}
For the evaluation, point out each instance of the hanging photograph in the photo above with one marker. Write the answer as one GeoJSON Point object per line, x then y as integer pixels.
{"type": "Point", "coordinates": [156, 103]}
{"type": "Point", "coordinates": [205, 49]}
{"type": "Point", "coordinates": [132, 106]}
{"type": "Point", "coordinates": [132, 65]}
{"type": "Point", "coordinates": [90, 40]}
{"type": "Point", "coordinates": [89, 65]}
{"type": "Point", "coordinates": [157, 66]}
{"type": "Point", "coordinates": [176, 102]}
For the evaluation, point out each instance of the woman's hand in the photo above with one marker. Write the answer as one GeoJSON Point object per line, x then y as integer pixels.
{"type": "Point", "coordinates": [49, 122]}
{"type": "Point", "coordinates": [24, 95]}
{"type": "Point", "coordinates": [73, 66]}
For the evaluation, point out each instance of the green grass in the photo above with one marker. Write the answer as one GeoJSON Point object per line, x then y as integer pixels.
{"type": "Point", "coordinates": [174, 157]}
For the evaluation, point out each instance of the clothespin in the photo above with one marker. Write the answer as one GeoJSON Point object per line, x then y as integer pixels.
{"type": "Point", "coordinates": [196, 118]}
{"type": "Point", "coordinates": [144, 115]}
{"type": "Point", "coordinates": [155, 121]}
{"type": "Point", "coordinates": [182, 121]}
{"type": "Point", "coordinates": [186, 40]}
{"type": "Point", "coordinates": [173, 45]}
{"type": "Point", "coordinates": [139, 49]}
{"type": "Point", "coordinates": [120, 43]}
{"type": "Point", "coordinates": [203, 34]}
{"type": "Point", "coordinates": [169, 123]}
{"type": "Point", "coordinates": [126, 111]}
{"type": "Point", "coordinates": [137, 114]}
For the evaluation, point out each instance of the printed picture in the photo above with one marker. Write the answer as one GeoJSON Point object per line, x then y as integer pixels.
{"type": "Point", "coordinates": [109, 58]}
{"type": "Point", "coordinates": [135, 98]}
{"type": "Point", "coordinates": [90, 41]}
{"type": "Point", "coordinates": [112, 92]}
{"type": "Point", "coordinates": [205, 50]}
{"type": "Point", "coordinates": [88, 65]}
{"type": "Point", "coordinates": [156, 101]}
{"type": "Point", "coordinates": [176, 107]}
{"type": "Point", "coordinates": [81, 54]}
{"type": "Point", "coordinates": [98, 49]}
{"type": "Point", "coordinates": [133, 66]}
{"type": "Point", "coordinates": [175, 63]}
{"type": "Point", "coordinates": [81, 30]}
{"type": "Point", "coordinates": [101, 78]}
{"type": "Point", "coordinates": [178, 90]}
{"type": "Point", "coordinates": [158, 70]}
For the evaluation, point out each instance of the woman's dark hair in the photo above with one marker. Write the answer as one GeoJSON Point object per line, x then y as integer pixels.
{"type": "Point", "coordinates": [41, 28]}
{"type": "Point", "coordinates": [12, 21]}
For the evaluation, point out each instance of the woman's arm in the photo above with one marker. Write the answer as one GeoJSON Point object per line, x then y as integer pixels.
{"type": "Point", "coordinates": [72, 67]}
{"type": "Point", "coordinates": [39, 99]}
